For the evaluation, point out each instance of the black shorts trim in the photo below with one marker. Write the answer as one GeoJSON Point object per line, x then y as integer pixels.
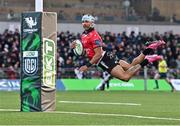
{"type": "Point", "coordinates": [108, 62]}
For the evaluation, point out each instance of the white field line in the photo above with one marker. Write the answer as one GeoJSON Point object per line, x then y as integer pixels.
{"type": "Point", "coordinates": [115, 115]}
{"type": "Point", "coordinates": [10, 110]}
{"type": "Point", "coordinates": [103, 114]}
{"type": "Point", "coordinates": [97, 103]}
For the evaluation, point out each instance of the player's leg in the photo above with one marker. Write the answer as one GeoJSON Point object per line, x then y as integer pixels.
{"type": "Point", "coordinates": [103, 83]}
{"type": "Point", "coordinates": [116, 70]}
{"type": "Point", "coordinates": [108, 63]}
{"type": "Point", "coordinates": [125, 65]}
{"type": "Point", "coordinates": [107, 83]}
{"type": "Point", "coordinates": [156, 77]}
{"type": "Point", "coordinates": [100, 85]}
{"type": "Point", "coordinates": [149, 49]}
{"type": "Point", "coordinates": [119, 72]}
{"type": "Point", "coordinates": [138, 60]}
{"type": "Point", "coordinates": [108, 80]}
{"type": "Point", "coordinates": [169, 82]}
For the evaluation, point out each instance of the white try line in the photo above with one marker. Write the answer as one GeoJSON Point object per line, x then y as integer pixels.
{"type": "Point", "coordinates": [98, 103]}
{"type": "Point", "coordinates": [103, 114]}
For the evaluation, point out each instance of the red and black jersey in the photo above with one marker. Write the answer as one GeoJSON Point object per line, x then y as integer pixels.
{"type": "Point", "coordinates": [91, 40]}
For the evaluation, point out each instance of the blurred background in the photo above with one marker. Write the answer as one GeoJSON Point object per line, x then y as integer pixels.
{"type": "Point", "coordinates": [114, 11]}
{"type": "Point", "coordinates": [118, 22]}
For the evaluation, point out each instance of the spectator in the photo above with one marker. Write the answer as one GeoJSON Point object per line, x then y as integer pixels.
{"type": "Point", "coordinates": [120, 44]}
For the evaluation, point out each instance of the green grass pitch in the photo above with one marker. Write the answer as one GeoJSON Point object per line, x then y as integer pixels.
{"type": "Point", "coordinates": [97, 108]}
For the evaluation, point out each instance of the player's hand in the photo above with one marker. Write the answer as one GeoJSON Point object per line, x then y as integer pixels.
{"type": "Point", "coordinates": [73, 45]}
{"type": "Point", "coordinates": [83, 68]}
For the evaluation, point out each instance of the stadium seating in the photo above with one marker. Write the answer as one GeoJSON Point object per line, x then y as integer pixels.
{"type": "Point", "coordinates": [106, 11]}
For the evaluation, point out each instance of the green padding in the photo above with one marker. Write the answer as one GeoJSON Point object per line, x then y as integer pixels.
{"type": "Point", "coordinates": [134, 84]}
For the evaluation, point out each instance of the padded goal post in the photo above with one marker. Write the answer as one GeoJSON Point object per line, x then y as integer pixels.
{"type": "Point", "coordinates": [38, 61]}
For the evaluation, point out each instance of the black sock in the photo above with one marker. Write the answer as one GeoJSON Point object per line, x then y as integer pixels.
{"type": "Point", "coordinates": [144, 63]}
{"type": "Point", "coordinates": [157, 85]}
{"type": "Point", "coordinates": [147, 51]}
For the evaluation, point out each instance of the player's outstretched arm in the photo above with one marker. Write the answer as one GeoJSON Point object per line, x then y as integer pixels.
{"type": "Point", "coordinates": [98, 54]}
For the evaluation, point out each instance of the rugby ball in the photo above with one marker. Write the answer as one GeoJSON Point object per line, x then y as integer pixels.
{"type": "Point", "coordinates": [78, 50]}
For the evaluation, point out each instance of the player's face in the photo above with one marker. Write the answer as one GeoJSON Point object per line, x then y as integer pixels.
{"type": "Point", "coordinates": [86, 24]}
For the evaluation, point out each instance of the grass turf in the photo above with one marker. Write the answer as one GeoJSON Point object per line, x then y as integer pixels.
{"type": "Point", "coordinates": [164, 106]}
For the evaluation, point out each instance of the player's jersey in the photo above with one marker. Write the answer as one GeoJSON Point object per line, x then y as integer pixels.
{"type": "Point", "coordinates": [91, 40]}
{"type": "Point", "coordinates": [162, 66]}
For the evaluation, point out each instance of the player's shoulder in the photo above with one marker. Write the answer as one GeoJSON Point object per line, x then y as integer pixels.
{"type": "Point", "coordinates": [94, 31]}
{"type": "Point", "coordinates": [95, 34]}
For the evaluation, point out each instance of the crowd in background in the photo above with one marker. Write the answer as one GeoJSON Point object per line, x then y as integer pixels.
{"type": "Point", "coordinates": [124, 46]}
{"type": "Point", "coordinates": [9, 54]}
